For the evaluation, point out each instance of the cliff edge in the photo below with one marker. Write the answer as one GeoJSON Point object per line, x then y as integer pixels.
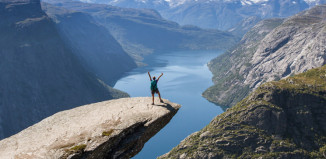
{"type": "Point", "coordinates": [111, 129]}
{"type": "Point", "coordinates": [281, 119]}
{"type": "Point", "coordinates": [40, 74]}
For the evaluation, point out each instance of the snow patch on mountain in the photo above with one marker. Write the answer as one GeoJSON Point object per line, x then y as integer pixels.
{"type": "Point", "coordinates": [175, 3]}
{"type": "Point", "coordinates": [313, 2]}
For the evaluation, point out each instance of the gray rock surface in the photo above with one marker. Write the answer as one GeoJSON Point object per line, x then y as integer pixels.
{"type": "Point", "coordinates": [111, 129]}
{"type": "Point", "coordinates": [298, 45]}
{"type": "Point", "coordinates": [231, 68]}
{"type": "Point", "coordinates": [295, 46]}
{"type": "Point", "coordinates": [281, 119]}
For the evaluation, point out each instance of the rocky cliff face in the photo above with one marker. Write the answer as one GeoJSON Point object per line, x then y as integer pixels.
{"type": "Point", "coordinates": [281, 119]}
{"type": "Point", "coordinates": [110, 129]}
{"type": "Point", "coordinates": [92, 43]}
{"type": "Point", "coordinates": [142, 31]}
{"type": "Point", "coordinates": [39, 74]}
{"type": "Point", "coordinates": [298, 44]}
{"type": "Point", "coordinates": [229, 88]}
{"type": "Point", "coordinates": [244, 26]}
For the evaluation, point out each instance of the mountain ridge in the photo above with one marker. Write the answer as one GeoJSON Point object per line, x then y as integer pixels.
{"type": "Point", "coordinates": [293, 46]}
{"type": "Point", "coordinates": [280, 119]}
{"type": "Point", "coordinates": [217, 14]}
{"type": "Point", "coordinates": [141, 31]}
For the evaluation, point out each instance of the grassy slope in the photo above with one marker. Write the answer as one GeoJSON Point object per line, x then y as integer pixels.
{"type": "Point", "coordinates": [283, 119]}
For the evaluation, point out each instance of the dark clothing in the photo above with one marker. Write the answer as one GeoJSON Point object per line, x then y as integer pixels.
{"type": "Point", "coordinates": [154, 84]}
{"type": "Point", "coordinates": [154, 88]}
{"type": "Point", "coordinates": [155, 91]}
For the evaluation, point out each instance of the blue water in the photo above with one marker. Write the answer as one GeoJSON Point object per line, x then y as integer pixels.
{"type": "Point", "coordinates": [186, 76]}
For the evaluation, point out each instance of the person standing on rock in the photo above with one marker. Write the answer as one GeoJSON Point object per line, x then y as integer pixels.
{"type": "Point", "coordinates": [154, 88]}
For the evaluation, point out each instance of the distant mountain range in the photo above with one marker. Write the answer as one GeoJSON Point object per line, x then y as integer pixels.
{"type": "Point", "coordinates": [219, 14]}
{"type": "Point", "coordinates": [177, 3]}
{"type": "Point", "coordinates": [144, 31]}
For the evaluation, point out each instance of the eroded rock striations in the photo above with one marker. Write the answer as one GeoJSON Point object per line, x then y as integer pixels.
{"type": "Point", "coordinates": [229, 69]}
{"type": "Point", "coordinates": [295, 46]}
{"type": "Point", "coordinates": [281, 119]}
{"type": "Point", "coordinates": [111, 129]}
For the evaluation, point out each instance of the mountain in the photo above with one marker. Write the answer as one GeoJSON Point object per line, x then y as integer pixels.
{"type": "Point", "coordinates": [218, 14]}
{"type": "Point", "coordinates": [92, 43]}
{"type": "Point", "coordinates": [267, 54]}
{"type": "Point", "coordinates": [110, 129]}
{"type": "Point", "coordinates": [244, 26]}
{"type": "Point", "coordinates": [40, 75]}
{"type": "Point", "coordinates": [281, 119]}
{"type": "Point", "coordinates": [143, 31]}
{"type": "Point", "coordinates": [228, 86]}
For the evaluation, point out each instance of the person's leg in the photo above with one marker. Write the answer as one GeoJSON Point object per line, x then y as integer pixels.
{"type": "Point", "coordinates": [152, 98]}
{"type": "Point", "coordinates": [159, 95]}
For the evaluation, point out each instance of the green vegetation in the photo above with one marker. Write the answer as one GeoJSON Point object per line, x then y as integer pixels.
{"type": "Point", "coordinates": [78, 148]}
{"type": "Point", "coordinates": [107, 133]}
{"type": "Point", "coordinates": [311, 82]}
{"type": "Point", "coordinates": [280, 119]}
{"type": "Point", "coordinates": [322, 150]}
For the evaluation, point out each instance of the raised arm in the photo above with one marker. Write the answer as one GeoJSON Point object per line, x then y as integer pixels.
{"type": "Point", "coordinates": [150, 78]}
{"type": "Point", "coordinates": [160, 76]}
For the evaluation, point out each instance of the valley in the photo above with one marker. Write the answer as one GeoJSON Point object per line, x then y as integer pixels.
{"type": "Point", "coordinates": [141, 32]}
{"type": "Point", "coordinates": [257, 68]}
{"type": "Point", "coordinates": [58, 57]}
{"type": "Point", "coordinates": [186, 76]}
